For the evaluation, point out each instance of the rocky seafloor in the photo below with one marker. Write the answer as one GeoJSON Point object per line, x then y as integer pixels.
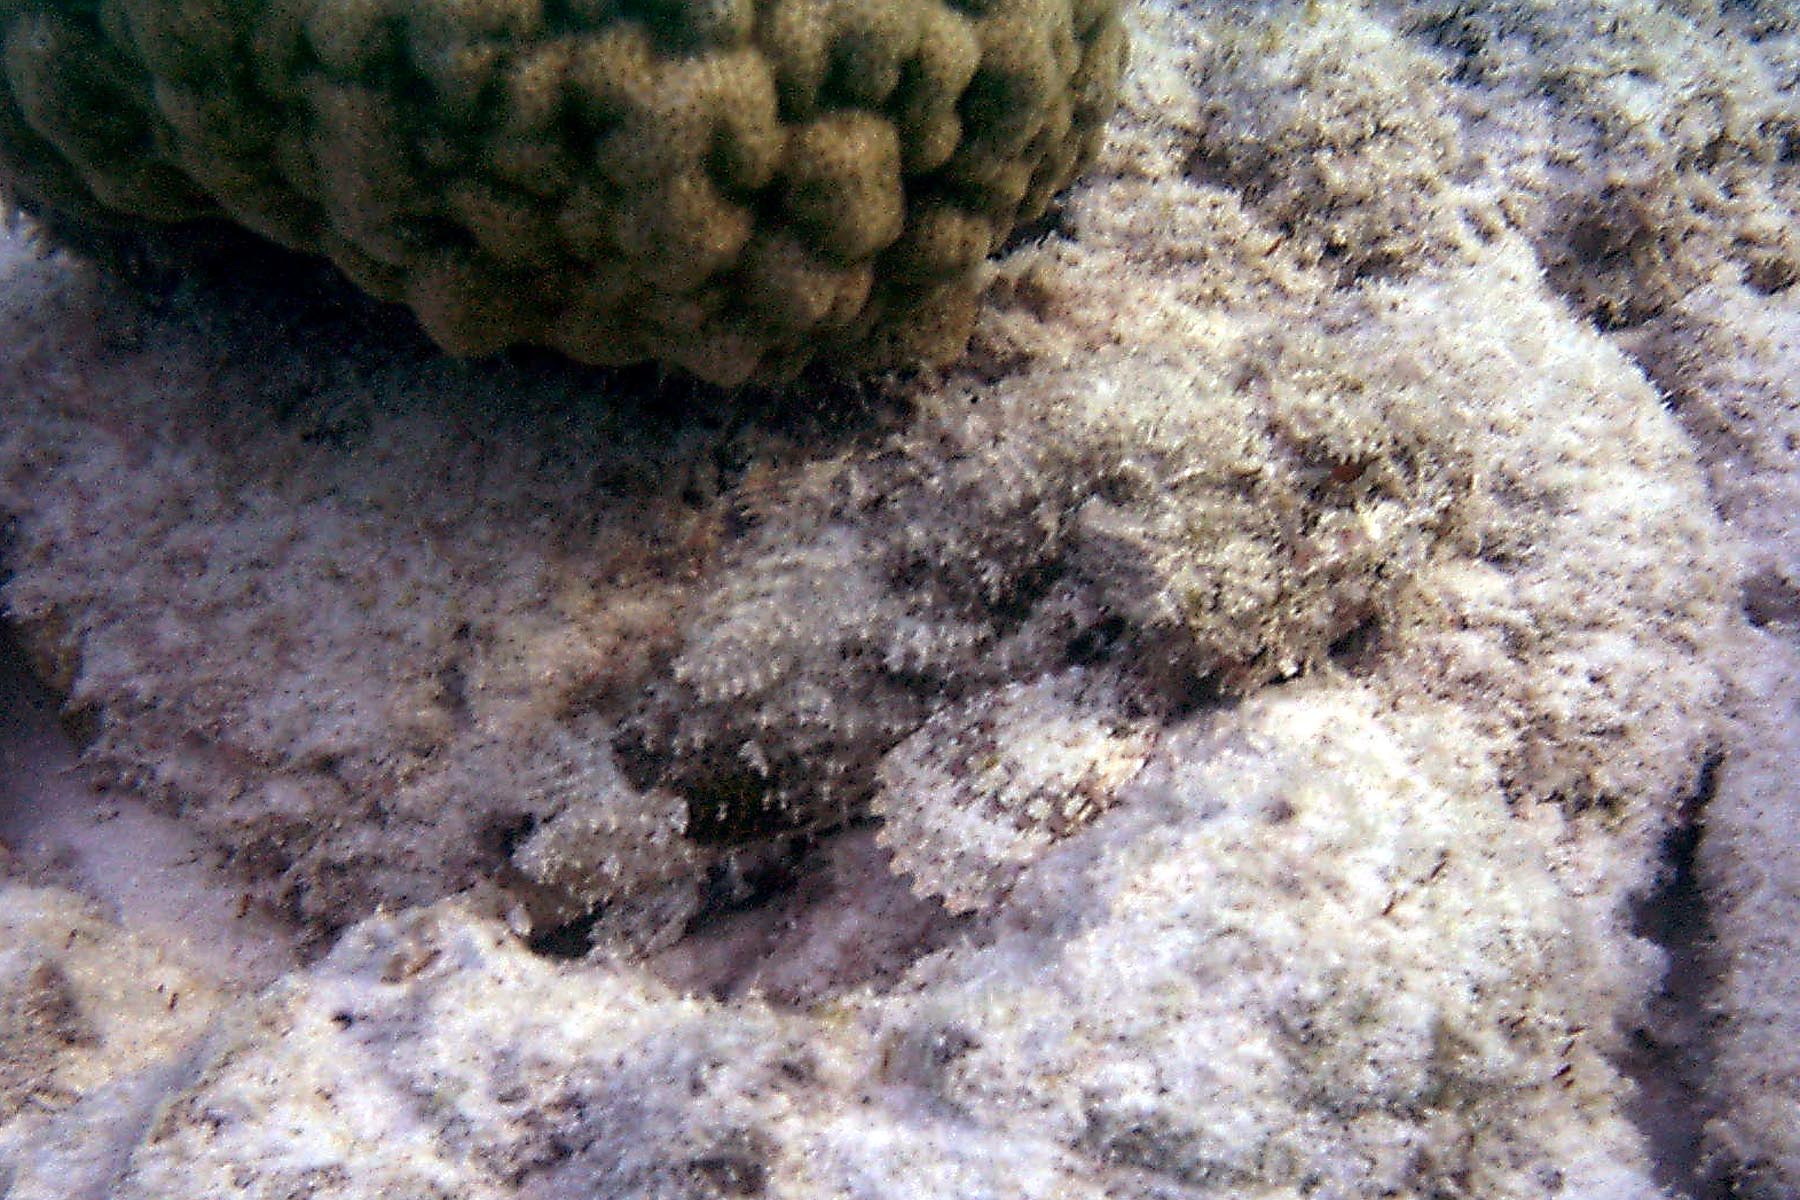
{"type": "Point", "coordinates": [1308, 707]}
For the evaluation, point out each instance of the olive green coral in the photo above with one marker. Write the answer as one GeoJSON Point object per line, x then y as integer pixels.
{"type": "Point", "coordinates": [733, 186]}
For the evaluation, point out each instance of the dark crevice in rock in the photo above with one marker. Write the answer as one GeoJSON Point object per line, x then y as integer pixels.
{"type": "Point", "coordinates": [571, 940]}
{"type": "Point", "coordinates": [1771, 600]}
{"type": "Point", "coordinates": [29, 700]}
{"type": "Point", "coordinates": [732, 805]}
{"type": "Point", "coordinates": [1358, 650]}
{"type": "Point", "coordinates": [805, 919]}
{"type": "Point", "coordinates": [1669, 1057]}
{"type": "Point", "coordinates": [1045, 227]}
{"type": "Point", "coordinates": [502, 835]}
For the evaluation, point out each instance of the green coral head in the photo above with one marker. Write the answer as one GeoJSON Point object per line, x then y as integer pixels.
{"type": "Point", "coordinates": [736, 187]}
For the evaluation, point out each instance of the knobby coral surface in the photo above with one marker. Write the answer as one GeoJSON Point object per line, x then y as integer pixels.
{"type": "Point", "coordinates": [733, 186]}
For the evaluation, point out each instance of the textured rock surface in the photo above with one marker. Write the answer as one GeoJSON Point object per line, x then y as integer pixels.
{"type": "Point", "coordinates": [100, 1031]}
{"type": "Point", "coordinates": [733, 186]}
{"type": "Point", "coordinates": [1733, 369]}
{"type": "Point", "coordinates": [1377, 1036]}
{"type": "Point", "coordinates": [1755, 1132]}
{"type": "Point", "coordinates": [1272, 666]}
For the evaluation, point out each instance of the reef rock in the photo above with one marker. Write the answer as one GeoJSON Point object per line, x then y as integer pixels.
{"type": "Point", "coordinates": [1218, 738]}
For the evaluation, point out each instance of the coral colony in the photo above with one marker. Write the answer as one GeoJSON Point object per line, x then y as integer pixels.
{"type": "Point", "coordinates": [733, 187]}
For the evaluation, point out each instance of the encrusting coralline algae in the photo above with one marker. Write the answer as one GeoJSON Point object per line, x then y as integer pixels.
{"type": "Point", "coordinates": [1284, 641]}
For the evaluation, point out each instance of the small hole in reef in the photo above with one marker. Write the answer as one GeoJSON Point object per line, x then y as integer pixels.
{"type": "Point", "coordinates": [1771, 273]}
{"type": "Point", "coordinates": [570, 940]}
{"type": "Point", "coordinates": [1357, 648]}
{"type": "Point", "coordinates": [1032, 231]}
{"type": "Point", "coordinates": [504, 834]}
{"type": "Point", "coordinates": [1097, 642]}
